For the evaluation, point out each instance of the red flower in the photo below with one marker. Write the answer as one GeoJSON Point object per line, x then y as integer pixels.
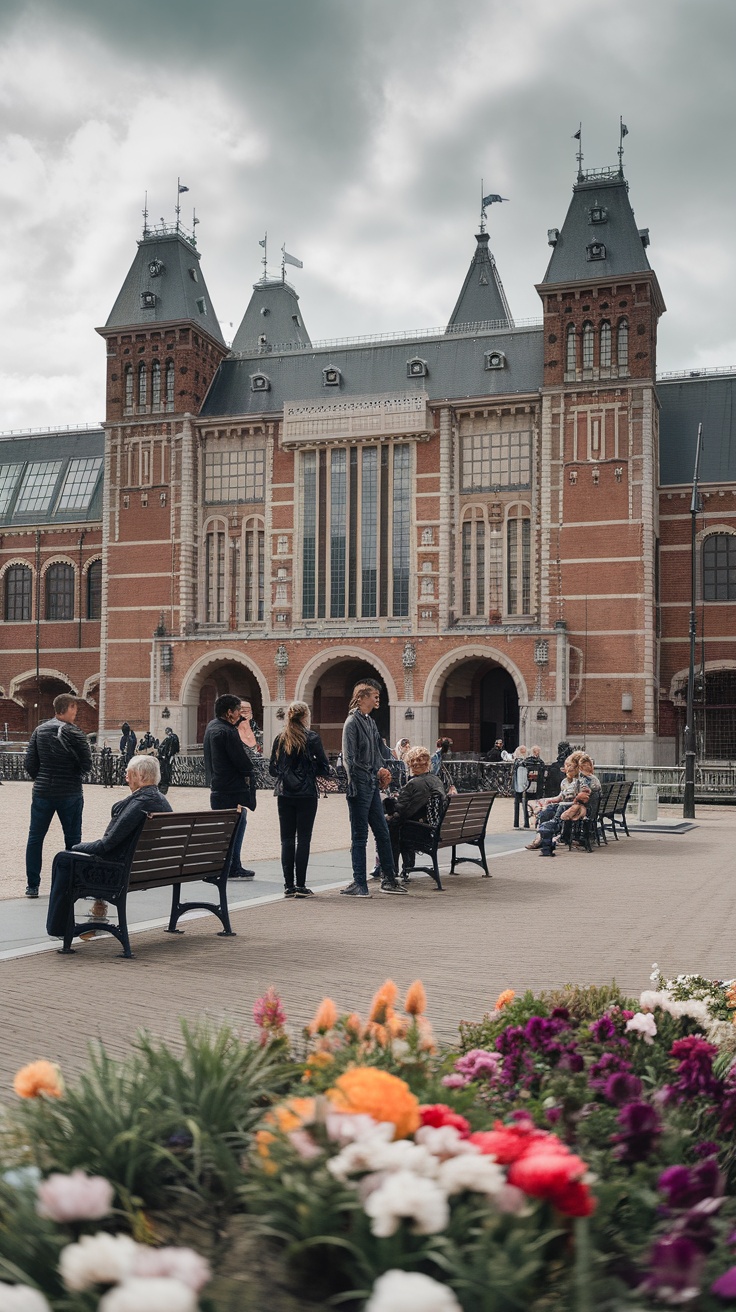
{"type": "Point", "coordinates": [575, 1200]}
{"type": "Point", "coordinates": [508, 1142]}
{"type": "Point", "coordinates": [440, 1114]}
{"type": "Point", "coordinates": [551, 1172]}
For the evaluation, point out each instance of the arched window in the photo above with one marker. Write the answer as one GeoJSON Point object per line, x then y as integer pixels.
{"type": "Point", "coordinates": [156, 385]}
{"type": "Point", "coordinates": [719, 567]}
{"type": "Point", "coordinates": [588, 338]}
{"type": "Point", "coordinates": [169, 384]}
{"type": "Point", "coordinates": [474, 562]}
{"type": "Point", "coordinates": [255, 556]}
{"type": "Point", "coordinates": [215, 545]}
{"type": "Point", "coordinates": [518, 561]}
{"type": "Point", "coordinates": [142, 384]}
{"type": "Point", "coordinates": [605, 345]}
{"type": "Point", "coordinates": [18, 588]}
{"type": "Point", "coordinates": [571, 356]}
{"type": "Point", "coordinates": [128, 387]}
{"type": "Point", "coordinates": [622, 358]}
{"type": "Point", "coordinates": [94, 590]}
{"type": "Point", "coordinates": [60, 592]}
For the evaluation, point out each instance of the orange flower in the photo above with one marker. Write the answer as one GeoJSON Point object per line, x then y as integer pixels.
{"type": "Point", "coordinates": [354, 1025]}
{"type": "Point", "coordinates": [37, 1078]}
{"type": "Point", "coordinates": [378, 1033]}
{"type": "Point", "coordinates": [325, 1017]}
{"type": "Point", "coordinates": [378, 1094]}
{"type": "Point", "coordinates": [384, 1001]}
{"type": "Point", "coordinates": [396, 1026]}
{"type": "Point", "coordinates": [416, 999]}
{"type": "Point", "coordinates": [317, 1061]}
{"type": "Point", "coordinates": [427, 1043]}
{"type": "Point", "coordinates": [285, 1117]}
{"type": "Point", "coordinates": [504, 999]}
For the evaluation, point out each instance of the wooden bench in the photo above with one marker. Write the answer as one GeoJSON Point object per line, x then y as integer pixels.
{"type": "Point", "coordinates": [172, 849]}
{"type": "Point", "coordinates": [451, 822]}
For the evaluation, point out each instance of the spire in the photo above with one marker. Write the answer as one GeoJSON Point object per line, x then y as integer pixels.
{"type": "Point", "coordinates": [599, 238]}
{"type": "Point", "coordinates": [273, 319]}
{"type": "Point", "coordinates": [164, 285]}
{"type": "Point", "coordinates": [482, 298]}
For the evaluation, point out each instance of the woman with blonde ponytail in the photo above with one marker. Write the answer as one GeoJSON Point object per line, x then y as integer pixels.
{"type": "Point", "coordinates": [297, 758]}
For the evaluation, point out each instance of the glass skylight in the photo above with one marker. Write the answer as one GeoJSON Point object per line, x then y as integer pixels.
{"type": "Point", "coordinates": [80, 482]}
{"type": "Point", "coordinates": [9, 475]}
{"type": "Point", "coordinates": [38, 485]}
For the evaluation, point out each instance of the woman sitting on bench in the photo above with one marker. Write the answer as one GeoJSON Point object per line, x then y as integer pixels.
{"type": "Point", "coordinates": [411, 803]}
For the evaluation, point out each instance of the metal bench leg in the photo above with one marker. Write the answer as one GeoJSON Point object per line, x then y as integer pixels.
{"type": "Point", "coordinates": [227, 930]}
{"type": "Point", "coordinates": [67, 950]}
{"type": "Point", "coordinates": [123, 928]}
{"type": "Point", "coordinates": [482, 849]}
{"type": "Point", "coordinates": [453, 862]}
{"type": "Point", "coordinates": [175, 911]}
{"type": "Point", "coordinates": [436, 872]}
{"type": "Point", "coordinates": [623, 822]}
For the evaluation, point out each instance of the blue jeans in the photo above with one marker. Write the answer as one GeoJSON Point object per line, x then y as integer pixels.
{"type": "Point", "coordinates": [366, 809]}
{"type": "Point", "coordinates": [221, 802]}
{"type": "Point", "coordinates": [43, 810]}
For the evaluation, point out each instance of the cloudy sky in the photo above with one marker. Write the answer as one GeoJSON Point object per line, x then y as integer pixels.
{"type": "Point", "coordinates": [356, 131]}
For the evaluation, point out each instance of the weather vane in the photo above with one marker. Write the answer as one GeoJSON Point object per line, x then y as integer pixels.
{"type": "Point", "coordinates": [623, 131]}
{"type": "Point", "coordinates": [485, 201]}
{"type": "Point", "coordinates": [264, 261]}
{"type": "Point", "coordinates": [578, 136]}
{"type": "Point", "coordinates": [145, 215]}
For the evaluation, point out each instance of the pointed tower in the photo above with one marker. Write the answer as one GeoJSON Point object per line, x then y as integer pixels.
{"type": "Point", "coordinates": [482, 299]}
{"type": "Point", "coordinates": [598, 467]}
{"type": "Point", "coordinates": [272, 320]}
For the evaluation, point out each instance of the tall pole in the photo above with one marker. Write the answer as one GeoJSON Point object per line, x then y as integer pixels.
{"type": "Point", "coordinates": [688, 803]}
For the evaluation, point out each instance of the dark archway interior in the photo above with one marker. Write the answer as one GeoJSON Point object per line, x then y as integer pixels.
{"type": "Point", "coordinates": [332, 695]}
{"type": "Point", "coordinates": [38, 697]}
{"type": "Point", "coordinates": [228, 677]}
{"type": "Point", "coordinates": [478, 704]}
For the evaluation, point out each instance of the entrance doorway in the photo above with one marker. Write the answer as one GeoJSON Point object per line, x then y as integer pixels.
{"type": "Point", "coordinates": [331, 698]}
{"type": "Point", "coordinates": [38, 696]}
{"type": "Point", "coordinates": [228, 677]}
{"type": "Point", "coordinates": [478, 704]}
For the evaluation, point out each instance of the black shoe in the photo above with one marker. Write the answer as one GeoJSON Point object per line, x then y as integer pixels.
{"type": "Point", "coordinates": [32, 890]}
{"type": "Point", "coordinates": [289, 892]}
{"type": "Point", "coordinates": [354, 890]}
{"type": "Point", "coordinates": [391, 886]}
{"type": "Point", "coordinates": [376, 874]}
{"type": "Point", "coordinates": [303, 892]}
{"type": "Point", "coordinates": [242, 874]}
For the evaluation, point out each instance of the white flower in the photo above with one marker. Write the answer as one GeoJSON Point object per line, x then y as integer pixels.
{"type": "Point", "coordinates": [181, 1264]}
{"type": "Point", "coordinates": [655, 973]}
{"type": "Point", "coordinates": [75, 1197]}
{"type": "Point", "coordinates": [695, 1008]}
{"type": "Point", "coordinates": [376, 1154]}
{"type": "Point", "coordinates": [644, 1025]}
{"type": "Point", "coordinates": [444, 1141]}
{"type": "Point", "coordinates": [409, 1291]}
{"type": "Point", "coordinates": [478, 1174]}
{"type": "Point", "coordinates": [20, 1298]}
{"type": "Point", "coordinates": [97, 1260]}
{"type": "Point", "coordinates": [149, 1296]}
{"type": "Point", "coordinates": [346, 1127]}
{"type": "Point", "coordinates": [404, 1195]}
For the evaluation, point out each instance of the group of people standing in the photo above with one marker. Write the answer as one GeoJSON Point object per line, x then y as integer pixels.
{"type": "Point", "coordinates": [164, 750]}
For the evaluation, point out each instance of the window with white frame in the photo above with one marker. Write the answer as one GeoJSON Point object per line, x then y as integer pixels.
{"type": "Point", "coordinates": [518, 561]}
{"type": "Point", "coordinates": [215, 547]}
{"type": "Point", "coordinates": [605, 356]}
{"type": "Point", "coordinates": [60, 592]}
{"type": "Point", "coordinates": [156, 385]}
{"type": "Point", "coordinates": [473, 561]}
{"type": "Point", "coordinates": [18, 593]}
{"type": "Point", "coordinates": [571, 350]}
{"type": "Point", "coordinates": [623, 344]}
{"type": "Point", "coordinates": [496, 460]}
{"type": "Point", "coordinates": [128, 387]}
{"type": "Point", "coordinates": [254, 560]}
{"type": "Point", "coordinates": [234, 475]}
{"type": "Point", "coordinates": [588, 342]}
{"type": "Point", "coordinates": [38, 485]}
{"type": "Point", "coordinates": [142, 385]}
{"type": "Point", "coordinates": [80, 483]}
{"type": "Point", "coordinates": [719, 567]}
{"type": "Point", "coordinates": [170, 382]}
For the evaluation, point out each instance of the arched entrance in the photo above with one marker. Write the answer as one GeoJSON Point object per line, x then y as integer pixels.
{"type": "Point", "coordinates": [208, 679]}
{"type": "Point", "coordinates": [33, 699]}
{"type": "Point", "coordinates": [477, 694]}
{"type": "Point", "coordinates": [714, 708]}
{"type": "Point", "coordinates": [328, 690]}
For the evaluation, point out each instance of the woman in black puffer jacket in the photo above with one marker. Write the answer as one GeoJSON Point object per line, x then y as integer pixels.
{"type": "Point", "coordinates": [297, 757]}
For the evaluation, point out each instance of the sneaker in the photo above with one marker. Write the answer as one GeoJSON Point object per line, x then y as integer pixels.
{"type": "Point", "coordinates": [354, 890]}
{"type": "Point", "coordinates": [376, 874]}
{"type": "Point", "coordinates": [289, 892]}
{"type": "Point", "coordinates": [32, 890]}
{"type": "Point", "coordinates": [304, 892]}
{"type": "Point", "coordinates": [391, 886]}
{"type": "Point", "coordinates": [242, 874]}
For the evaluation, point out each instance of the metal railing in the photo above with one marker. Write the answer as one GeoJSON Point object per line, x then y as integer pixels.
{"type": "Point", "coordinates": [379, 339]}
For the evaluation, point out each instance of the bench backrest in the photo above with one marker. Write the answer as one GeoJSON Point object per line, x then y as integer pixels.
{"type": "Point", "coordinates": [625, 791]}
{"type": "Point", "coordinates": [610, 799]}
{"type": "Point", "coordinates": [181, 846]}
{"type": "Point", "coordinates": [466, 814]}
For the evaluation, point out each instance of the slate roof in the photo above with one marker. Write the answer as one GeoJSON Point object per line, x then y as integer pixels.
{"type": "Point", "coordinates": [686, 402]}
{"type": "Point", "coordinates": [456, 368]}
{"type": "Point", "coordinates": [166, 270]}
{"type": "Point", "coordinates": [49, 449]}
{"type": "Point", "coordinates": [482, 297]}
{"type": "Point", "coordinates": [618, 233]}
{"type": "Point", "coordinates": [273, 314]}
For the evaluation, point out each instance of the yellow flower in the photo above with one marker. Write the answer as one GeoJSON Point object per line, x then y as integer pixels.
{"type": "Point", "coordinates": [504, 999]}
{"type": "Point", "coordinates": [325, 1017]}
{"type": "Point", "coordinates": [378, 1094]}
{"type": "Point", "coordinates": [383, 1002]}
{"type": "Point", "coordinates": [37, 1078]}
{"type": "Point", "coordinates": [416, 999]}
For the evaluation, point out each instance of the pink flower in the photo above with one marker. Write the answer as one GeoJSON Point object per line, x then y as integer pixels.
{"type": "Point", "coordinates": [269, 1015]}
{"type": "Point", "coordinates": [304, 1144]}
{"type": "Point", "coordinates": [75, 1197]}
{"type": "Point", "coordinates": [643, 1024]}
{"type": "Point", "coordinates": [725, 1285]}
{"type": "Point", "coordinates": [181, 1264]}
{"type": "Point", "coordinates": [454, 1081]}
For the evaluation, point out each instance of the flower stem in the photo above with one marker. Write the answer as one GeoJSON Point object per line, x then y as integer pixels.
{"type": "Point", "coordinates": [583, 1302]}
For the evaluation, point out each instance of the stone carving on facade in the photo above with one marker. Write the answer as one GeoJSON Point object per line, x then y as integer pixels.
{"type": "Point", "coordinates": [409, 660]}
{"type": "Point", "coordinates": [281, 661]}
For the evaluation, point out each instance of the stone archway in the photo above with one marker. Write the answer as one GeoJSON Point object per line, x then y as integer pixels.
{"type": "Point", "coordinates": [477, 692]}
{"type": "Point", "coordinates": [212, 675]}
{"type": "Point", "coordinates": [326, 684]}
{"type": "Point", "coordinates": [31, 700]}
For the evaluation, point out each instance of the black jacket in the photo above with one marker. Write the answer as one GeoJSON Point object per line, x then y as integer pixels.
{"type": "Point", "coordinates": [227, 765]}
{"type": "Point", "coordinates": [296, 772]}
{"type": "Point", "coordinates": [411, 803]}
{"type": "Point", "coordinates": [56, 758]}
{"type": "Point", "coordinates": [126, 823]}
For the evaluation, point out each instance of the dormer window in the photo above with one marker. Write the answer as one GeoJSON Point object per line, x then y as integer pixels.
{"type": "Point", "coordinates": [201, 305]}
{"type": "Point", "coordinates": [260, 383]}
{"type": "Point", "coordinates": [331, 377]}
{"type": "Point", "coordinates": [416, 368]}
{"type": "Point", "coordinates": [495, 360]}
{"type": "Point", "coordinates": [148, 300]}
{"type": "Point", "coordinates": [596, 251]}
{"type": "Point", "coordinates": [598, 214]}
{"type": "Point", "coordinates": [553, 236]}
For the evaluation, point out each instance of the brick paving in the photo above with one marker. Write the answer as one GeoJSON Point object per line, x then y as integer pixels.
{"type": "Point", "coordinates": [537, 923]}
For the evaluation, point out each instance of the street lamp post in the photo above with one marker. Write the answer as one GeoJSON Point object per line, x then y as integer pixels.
{"type": "Point", "coordinates": [688, 802]}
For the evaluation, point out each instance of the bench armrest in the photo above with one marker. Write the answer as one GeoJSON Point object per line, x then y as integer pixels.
{"type": "Point", "coordinates": [94, 872]}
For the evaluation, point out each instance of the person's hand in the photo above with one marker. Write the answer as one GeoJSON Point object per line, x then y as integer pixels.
{"type": "Point", "coordinates": [384, 778]}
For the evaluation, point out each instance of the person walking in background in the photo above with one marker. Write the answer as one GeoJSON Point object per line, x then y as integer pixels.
{"type": "Point", "coordinates": [57, 757]}
{"type": "Point", "coordinates": [228, 769]}
{"type": "Point", "coordinates": [297, 758]}
{"type": "Point", "coordinates": [128, 742]}
{"type": "Point", "coordinates": [169, 748]}
{"type": "Point", "coordinates": [364, 759]}
{"type": "Point", "coordinates": [496, 750]}
{"type": "Point", "coordinates": [519, 781]}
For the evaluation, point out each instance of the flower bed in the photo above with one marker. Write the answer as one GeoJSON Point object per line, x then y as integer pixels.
{"type": "Point", "coordinates": [575, 1150]}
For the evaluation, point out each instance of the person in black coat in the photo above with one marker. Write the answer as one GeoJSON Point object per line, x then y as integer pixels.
{"type": "Point", "coordinates": [169, 748]}
{"type": "Point", "coordinates": [127, 819]}
{"type": "Point", "coordinates": [411, 802]}
{"type": "Point", "coordinates": [56, 758]}
{"type": "Point", "coordinates": [228, 769]}
{"type": "Point", "coordinates": [128, 742]}
{"type": "Point", "coordinates": [297, 757]}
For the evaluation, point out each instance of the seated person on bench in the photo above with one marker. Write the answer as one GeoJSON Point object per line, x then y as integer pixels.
{"type": "Point", "coordinates": [588, 783]}
{"type": "Point", "coordinates": [128, 816]}
{"type": "Point", "coordinates": [411, 802]}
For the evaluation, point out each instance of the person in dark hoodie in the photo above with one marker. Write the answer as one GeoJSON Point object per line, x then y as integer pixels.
{"type": "Point", "coordinates": [297, 757]}
{"type": "Point", "coordinates": [128, 817]}
{"type": "Point", "coordinates": [57, 757]}
{"type": "Point", "coordinates": [228, 769]}
{"type": "Point", "coordinates": [128, 742]}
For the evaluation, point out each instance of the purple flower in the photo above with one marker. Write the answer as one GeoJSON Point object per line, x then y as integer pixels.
{"type": "Point", "coordinates": [603, 1030]}
{"type": "Point", "coordinates": [675, 1265]}
{"type": "Point", "coordinates": [706, 1149]}
{"type": "Point", "coordinates": [725, 1285]}
{"type": "Point", "coordinates": [685, 1186]}
{"type": "Point", "coordinates": [694, 1074]}
{"type": "Point", "coordinates": [621, 1088]}
{"type": "Point", "coordinates": [728, 1104]}
{"type": "Point", "coordinates": [479, 1064]}
{"type": "Point", "coordinates": [640, 1129]}
{"type": "Point", "coordinates": [606, 1066]}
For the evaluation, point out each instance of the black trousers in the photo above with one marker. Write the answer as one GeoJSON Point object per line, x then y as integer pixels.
{"type": "Point", "coordinates": [296, 822]}
{"type": "Point", "coordinates": [520, 803]}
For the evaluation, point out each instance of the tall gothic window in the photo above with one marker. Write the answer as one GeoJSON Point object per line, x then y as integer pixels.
{"type": "Point", "coordinates": [18, 591]}
{"type": "Point", "coordinates": [94, 590]}
{"type": "Point", "coordinates": [473, 550]}
{"type": "Point", "coordinates": [571, 350]}
{"type": "Point", "coordinates": [128, 387]}
{"type": "Point", "coordinates": [215, 545]}
{"type": "Point", "coordinates": [605, 345]}
{"type": "Point", "coordinates": [170, 377]}
{"type": "Point", "coordinates": [142, 385]}
{"type": "Point", "coordinates": [588, 340]}
{"type": "Point", "coordinates": [156, 385]}
{"type": "Point", "coordinates": [623, 344]}
{"type": "Point", "coordinates": [355, 531]}
{"type": "Point", "coordinates": [60, 592]}
{"type": "Point", "coordinates": [254, 571]}
{"type": "Point", "coordinates": [518, 561]}
{"type": "Point", "coordinates": [719, 567]}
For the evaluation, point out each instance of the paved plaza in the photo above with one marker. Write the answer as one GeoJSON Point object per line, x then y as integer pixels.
{"type": "Point", "coordinates": [662, 897]}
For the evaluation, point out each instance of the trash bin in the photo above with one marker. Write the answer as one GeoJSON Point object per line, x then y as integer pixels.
{"type": "Point", "coordinates": [648, 802]}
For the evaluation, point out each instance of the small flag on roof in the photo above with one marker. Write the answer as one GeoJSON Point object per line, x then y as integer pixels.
{"type": "Point", "coordinates": [291, 259]}
{"type": "Point", "coordinates": [576, 135]}
{"type": "Point", "coordinates": [182, 188]}
{"type": "Point", "coordinates": [491, 200]}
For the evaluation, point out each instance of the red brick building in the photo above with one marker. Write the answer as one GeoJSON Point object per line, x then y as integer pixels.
{"type": "Point", "coordinates": [491, 518]}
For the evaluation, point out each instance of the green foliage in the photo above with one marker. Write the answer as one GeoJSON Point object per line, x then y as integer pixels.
{"type": "Point", "coordinates": [483, 1033]}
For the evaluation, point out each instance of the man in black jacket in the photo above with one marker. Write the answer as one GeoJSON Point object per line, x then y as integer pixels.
{"type": "Point", "coordinates": [228, 768]}
{"type": "Point", "coordinates": [56, 758]}
{"type": "Point", "coordinates": [121, 835]}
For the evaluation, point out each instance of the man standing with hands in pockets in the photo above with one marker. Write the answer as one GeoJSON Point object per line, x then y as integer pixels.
{"type": "Point", "coordinates": [364, 756]}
